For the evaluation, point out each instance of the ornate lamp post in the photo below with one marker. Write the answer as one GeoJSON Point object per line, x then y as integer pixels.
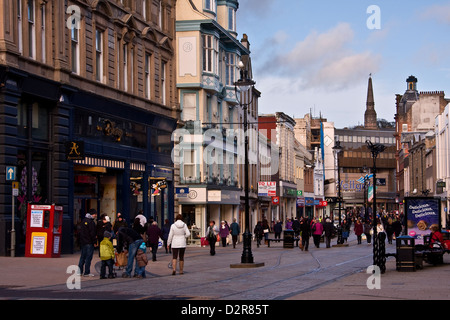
{"type": "Point", "coordinates": [337, 149]}
{"type": "Point", "coordinates": [245, 84]}
{"type": "Point", "coordinates": [379, 258]}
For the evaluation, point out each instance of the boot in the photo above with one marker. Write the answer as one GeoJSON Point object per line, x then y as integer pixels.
{"type": "Point", "coordinates": [181, 267]}
{"type": "Point", "coordinates": [174, 266]}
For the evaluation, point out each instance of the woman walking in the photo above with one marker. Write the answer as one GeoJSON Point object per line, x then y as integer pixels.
{"type": "Point", "coordinates": [178, 234]}
{"type": "Point", "coordinates": [211, 236]}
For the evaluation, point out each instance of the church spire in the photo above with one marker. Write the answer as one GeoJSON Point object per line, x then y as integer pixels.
{"type": "Point", "coordinates": [370, 117]}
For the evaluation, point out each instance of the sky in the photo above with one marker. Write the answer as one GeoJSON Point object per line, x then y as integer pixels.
{"type": "Point", "coordinates": [316, 56]}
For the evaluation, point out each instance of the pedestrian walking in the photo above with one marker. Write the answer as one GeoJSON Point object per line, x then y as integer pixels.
{"type": "Point", "coordinates": [305, 229]}
{"type": "Point", "coordinates": [178, 234]}
{"type": "Point", "coordinates": [397, 227]}
{"type": "Point", "coordinates": [224, 231]}
{"type": "Point", "coordinates": [328, 229]}
{"type": "Point", "coordinates": [259, 233]}
{"type": "Point", "coordinates": [88, 241]}
{"type": "Point", "coordinates": [107, 256]}
{"type": "Point", "coordinates": [277, 229]}
{"type": "Point", "coordinates": [345, 229]}
{"type": "Point", "coordinates": [296, 227]}
{"type": "Point", "coordinates": [390, 230]}
{"type": "Point", "coordinates": [266, 229]}
{"type": "Point", "coordinates": [211, 235]}
{"type": "Point", "coordinates": [129, 239]}
{"type": "Point", "coordinates": [359, 230]}
{"type": "Point", "coordinates": [165, 235]}
{"type": "Point", "coordinates": [153, 235]}
{"type": "Point", "coordinates": [317, 230]}
{"type": "Point", "coordinates": [235, 230]}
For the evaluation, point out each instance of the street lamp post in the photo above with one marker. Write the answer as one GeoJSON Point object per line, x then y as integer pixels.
{"type": "Point", "coordinates": [245, 84]}
{"type": "Point", "coordinates": [337, 150]}
{"type": "Point", "coordinates": [379, 258]}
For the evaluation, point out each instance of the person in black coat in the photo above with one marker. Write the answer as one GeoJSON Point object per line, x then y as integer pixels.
{"type": "Point", "coordinates": [165, 230]}
{"type": "Point", "coordinates": [88, 241]}
{"type": "Point", "coordinates": [277, 229]}
{"type": "Point", "coordinates": [128, 238]}
{"type": "Point", "coordinates": [329, 231]}
{"type": "Point", "coordinates": [305, 229]}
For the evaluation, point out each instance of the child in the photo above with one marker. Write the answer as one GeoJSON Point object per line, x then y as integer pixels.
{"type": "Point", "coordinates": [141, 260]}
{"type": "Point", "coordinates": [107, 256]}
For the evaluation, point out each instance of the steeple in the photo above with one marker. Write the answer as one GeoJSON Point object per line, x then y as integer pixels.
{"type": "Point", "coordinates": [370, 117]}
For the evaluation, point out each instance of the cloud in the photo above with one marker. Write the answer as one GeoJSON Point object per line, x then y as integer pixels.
{"type": "Point", "coordinates": [323, 60]}
{"type": "Point", "coordinates": [440, 13]}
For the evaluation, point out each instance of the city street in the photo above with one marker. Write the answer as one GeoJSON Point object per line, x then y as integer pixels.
{"type": "Point", "coordinates": [338, 273]}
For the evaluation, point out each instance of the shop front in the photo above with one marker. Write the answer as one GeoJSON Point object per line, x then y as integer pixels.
{"type": "Point", "coordinates": [199, 205]}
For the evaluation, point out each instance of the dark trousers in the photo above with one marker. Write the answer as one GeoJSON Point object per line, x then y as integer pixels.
{"type": "Point", "coordinates": [212, 246]}
{"type": "Point", "coordinates": [234, 240]}
{"type": "Point", "coordinates": [107, 263]}
{"type": "Point", "coordinates": [154, 247]}
{"type": "Point", "coordinates": [305, 242]}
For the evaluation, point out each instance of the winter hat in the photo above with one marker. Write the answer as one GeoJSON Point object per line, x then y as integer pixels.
{"type": "Point", "coordinates": [107, 234]}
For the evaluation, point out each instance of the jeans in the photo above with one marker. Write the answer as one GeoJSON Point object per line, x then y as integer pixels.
{"type": "Point", "coordinates": [87, 252]}
{"type": "Point", "coordinates": [132, 249]}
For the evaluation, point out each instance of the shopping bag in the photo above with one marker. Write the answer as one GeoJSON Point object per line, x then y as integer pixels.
{"type": "Point", "coordinates": [121, 259]}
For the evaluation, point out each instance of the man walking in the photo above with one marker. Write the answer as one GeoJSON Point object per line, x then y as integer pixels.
{"type": "Point", "coordinates": [88, 240]}
{"type": "Point", "coordinates": [235, 231]}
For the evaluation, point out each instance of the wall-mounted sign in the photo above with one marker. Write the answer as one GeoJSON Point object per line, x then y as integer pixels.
{"type": "Point", "coordinates": [75, 150]}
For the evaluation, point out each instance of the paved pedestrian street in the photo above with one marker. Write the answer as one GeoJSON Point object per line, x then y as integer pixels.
{"type": "Point", "coordinates": [337, 273]}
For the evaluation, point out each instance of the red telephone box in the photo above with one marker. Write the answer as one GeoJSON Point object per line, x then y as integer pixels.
{"type": "Point", "coordinates": [43, 236]}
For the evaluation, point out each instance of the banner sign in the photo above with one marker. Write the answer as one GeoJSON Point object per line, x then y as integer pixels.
{"type": "Point", "coordinates": [421, 213]}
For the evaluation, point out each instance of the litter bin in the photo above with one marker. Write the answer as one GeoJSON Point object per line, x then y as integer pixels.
{"type": "Point", "coordinates": [288, 239]}
{"type": "Point", "coordinates": [406, 260]}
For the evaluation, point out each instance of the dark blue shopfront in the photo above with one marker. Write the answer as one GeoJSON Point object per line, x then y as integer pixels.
{"type": "Point", "coordinates": [127, 166]}
{"type": "Point", "coordinates": [122, 154]}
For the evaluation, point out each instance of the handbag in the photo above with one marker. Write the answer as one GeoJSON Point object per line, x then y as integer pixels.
{"type": "Point", "coordinates": [121, 259]}
{"type": "Point", "coordinates": [266, 230]}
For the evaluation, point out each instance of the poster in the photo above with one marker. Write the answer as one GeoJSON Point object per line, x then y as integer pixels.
{"type": "Point", "coordinates": [267, 189]}
{"type": "Point", "coordinates": [39, 243]}
{"type": "Point", "coordinates": [36, 218]}
{"type": "Point", "coordinates": [421, 213]}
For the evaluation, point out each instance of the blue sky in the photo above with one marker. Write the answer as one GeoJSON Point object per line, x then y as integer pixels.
{"type": "Point", "coordinates": [317, 55]}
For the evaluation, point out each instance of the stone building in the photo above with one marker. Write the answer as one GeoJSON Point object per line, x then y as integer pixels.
{"type": "Point", "coordinates": [100, 74]}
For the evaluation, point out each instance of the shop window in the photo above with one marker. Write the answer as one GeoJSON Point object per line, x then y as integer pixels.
{"type": "Point", "coordinates": [33, 179]}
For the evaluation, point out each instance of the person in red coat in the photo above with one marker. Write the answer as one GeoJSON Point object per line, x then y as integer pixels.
{"type": "Point", "coordinates": [359, 230]}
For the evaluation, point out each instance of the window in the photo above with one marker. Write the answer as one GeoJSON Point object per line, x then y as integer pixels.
{"type": "Point", "coordinates": [231, 19]}
{"type": "Point", "coordinates": [189, 164]}
{"type": "Point", "coordinates": [75, 53]}
{"type": "Point", "coordinates": [131, 89]}
{"type": "Point", "coordinates": [99, 55]}
{"type": "Point", "coordinates": [160, 15]}
{"type": "Point", "coordinates": [147, 67]}
{"type": "Point", "coordinates": [210, 5]}
{"type": "Point", "coordinates": [163, 83]}
{"type": "Point", "coordinates": [210, 53]}
{"type": "Point", "coordinates": [144, 9]}
{"type": "Point", "coordinates": [31, 30]}
{"type": "Point", "coordinates": [125, 66]}
{"type": "Point", "coordinates": [19, 25]}
{"type": "Point", "coordinates": [189, 107]}
{"type": "Point", "coordinates": [118, 63]}
{"type": "Point", "coordinates": [231, 69]}
{"type": "Point", "coordinates": [43, 42]}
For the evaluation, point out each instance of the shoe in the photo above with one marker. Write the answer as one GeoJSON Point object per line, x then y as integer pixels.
{"type": "Point", "coordinates": [88, 275]}
{"type": "Point", "coordinates": [126, 275]}
{"type": "Point", "coordinates": [103, 277]}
